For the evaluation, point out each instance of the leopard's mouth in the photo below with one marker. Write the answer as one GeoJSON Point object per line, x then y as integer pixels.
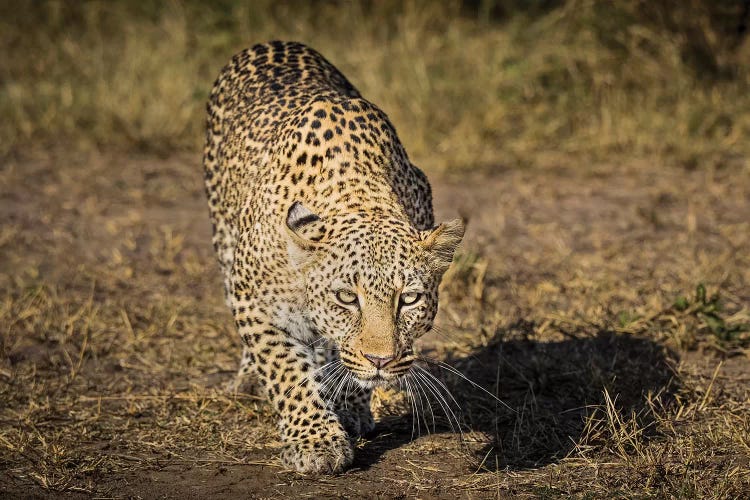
{"type": "Point", "coordinates": [369, 374]}
{"type": "Point", "coordinates": [369, 379]}
{"type": "Point", "coordinates": [377, 380]}
{"type": "Point", "coordinates": [372, 382]}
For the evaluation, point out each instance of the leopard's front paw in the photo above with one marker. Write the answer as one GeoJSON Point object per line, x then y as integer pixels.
{"type": "Point", "coordinates": [316, 455]}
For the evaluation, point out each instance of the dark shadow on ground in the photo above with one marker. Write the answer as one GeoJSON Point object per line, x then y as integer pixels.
{"type": "Point", "coordinates": [547, 389]}
{"type": "Point", "coordinates": [551, 388]}
{"type": "Point", "coordinates": [554, 386]}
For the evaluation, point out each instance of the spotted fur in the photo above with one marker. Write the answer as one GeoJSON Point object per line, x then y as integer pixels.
{"type": "Point", "coordinates": [325, 235]}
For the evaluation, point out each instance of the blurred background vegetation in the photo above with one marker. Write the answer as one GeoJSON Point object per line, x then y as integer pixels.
{"type": "Point", "coordinates": [468, 84]}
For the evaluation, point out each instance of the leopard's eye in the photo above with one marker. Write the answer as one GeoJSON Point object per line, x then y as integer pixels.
{"type": "Point", "coordinates": [346, 297]}
{"type": "Point", "coordinates": [410, 298]}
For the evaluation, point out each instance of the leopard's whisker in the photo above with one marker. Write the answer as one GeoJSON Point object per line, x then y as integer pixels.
{"type": "Point", "coordinates": [444, 404]}
{"type": "Point", "coordinates": [420, 391]}
{"type": "Point", "coordinates": [346, 392]}
{"type": "Point", "coordinates": [332, 365]}
{"type": "Point", "coordinates": [450, 415]}
{"type": "Point", "coordinates": [430, 377]}
{"type": "Point", "coordinates": [442, 332]}
{"type": "Point", "coordinates": [344, 378]}
{"type": "Point", "coordinates": [324, 382]}
{"type": "Point", "coordinates": [429, 404]}
{"type": "Point", "coordinates": [324, 345]}
{"type": "Point", "coordinates": [324, 348]}
{"type": "Point", "coordinates": [402, 381]}
{"type": "Point", "coordinates": [408, 393]}
{"type": "Point", "coordinates": [415, 410]}
{"type": "Point", "coordinates": [309, 376]}
{"type": "Point", "coordinates": [345, 389]}
{"type": "Point", "coordinates": [334, 380]}
{"type": "Point", "coordinates": [319, 339]}
{"type": "Point", "coordinates": [454, 371]}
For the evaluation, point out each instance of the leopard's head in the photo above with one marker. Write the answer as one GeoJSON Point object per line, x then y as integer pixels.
{"type": "Point", "coordinates": [371, 284]}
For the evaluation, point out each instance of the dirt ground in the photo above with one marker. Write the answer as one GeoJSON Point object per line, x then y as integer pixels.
{"type": "Point", "coordinates": [606, 305]}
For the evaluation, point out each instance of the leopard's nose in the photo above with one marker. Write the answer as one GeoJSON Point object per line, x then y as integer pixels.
{"type": "Point", "coordinates": [378, 361]}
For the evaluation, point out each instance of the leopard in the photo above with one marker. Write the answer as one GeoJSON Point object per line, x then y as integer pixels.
{"type": "Point", "coordinates": [326, 240]}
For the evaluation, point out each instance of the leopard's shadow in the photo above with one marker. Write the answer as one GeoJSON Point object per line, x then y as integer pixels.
{"type": "Point", "coordinates": [550, 389]}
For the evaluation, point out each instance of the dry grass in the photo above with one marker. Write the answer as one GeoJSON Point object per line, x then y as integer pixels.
{"type": "Point", "coordinates": [602, 292]}
{"type": "Point", "coordinates": [581, 311]}
{"type": "Point", "coordinates": [467, 86]}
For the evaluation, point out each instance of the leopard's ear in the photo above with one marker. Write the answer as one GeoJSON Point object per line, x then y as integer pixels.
{"type": "Point", "coordinates": [441, 243]}
{"type": "Point", "coordinates": [304, 231]}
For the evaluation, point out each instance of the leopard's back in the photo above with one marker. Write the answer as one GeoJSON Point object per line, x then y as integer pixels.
{"type": "Point", "coordinates": [281, 117]}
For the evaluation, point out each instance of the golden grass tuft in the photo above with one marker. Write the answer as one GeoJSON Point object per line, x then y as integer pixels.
{"type": "Point", "coordinates": [467, 87]}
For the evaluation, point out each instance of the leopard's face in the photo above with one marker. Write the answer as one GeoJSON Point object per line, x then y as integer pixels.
{"type": "Point", "coordinates": [373, 295]}
{"type": "Point", "coordinates": [372, 287]}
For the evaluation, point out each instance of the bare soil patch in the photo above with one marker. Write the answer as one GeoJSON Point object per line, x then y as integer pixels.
{"type": "Point", "coordinates": [606, 306]}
